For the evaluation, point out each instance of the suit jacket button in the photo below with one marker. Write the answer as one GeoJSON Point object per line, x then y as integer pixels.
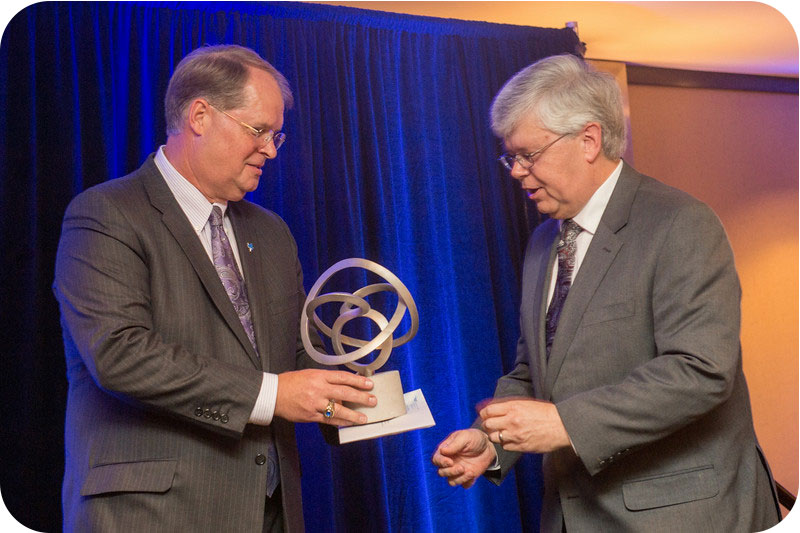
{"type": "Point", "coordinates": [198, 411]}
{"type": "Point", "coordinates": [261, 459]}
{"type": "Point", "coordinates": [223, 419]}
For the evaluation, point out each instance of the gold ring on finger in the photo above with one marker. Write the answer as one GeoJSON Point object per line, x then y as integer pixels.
{"type": "Point", "coordinates": [330, 409]}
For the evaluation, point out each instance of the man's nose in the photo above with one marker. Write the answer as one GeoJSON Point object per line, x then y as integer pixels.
{"type": "Point", "coordinates": [519, 172]}
{"type": "Point", "coordinates": [268, 149]}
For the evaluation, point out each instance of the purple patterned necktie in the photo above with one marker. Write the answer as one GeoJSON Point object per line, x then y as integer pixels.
{"type": "Point", "coordinates": [225, 263]}
{"type": "Point", "coordinates": [566, 264]}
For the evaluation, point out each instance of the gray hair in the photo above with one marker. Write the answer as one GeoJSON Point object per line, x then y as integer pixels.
{"type": "Point", "coordinates": [564, 94]}
{"type": "Point", "coordinates": [219, 74]}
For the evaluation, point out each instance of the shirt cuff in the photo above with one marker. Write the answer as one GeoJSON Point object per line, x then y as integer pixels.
{"type": "Point", "coordinates": [495, 465]}
{"type": "Point", "coordinates": [264, 409]}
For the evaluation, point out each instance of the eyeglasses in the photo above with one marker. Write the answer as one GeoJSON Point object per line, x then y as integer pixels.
{"type": "Point", "coordinates": [526, 160]}
{"type": "Point", "coordinates": [277, 138]}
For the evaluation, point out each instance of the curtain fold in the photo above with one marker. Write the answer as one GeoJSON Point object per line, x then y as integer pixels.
{"type": "Point", "coordinates": [388, 156]}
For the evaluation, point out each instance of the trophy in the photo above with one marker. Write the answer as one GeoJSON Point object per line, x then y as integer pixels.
{"type": "Point", "coordinates": [388, 388]}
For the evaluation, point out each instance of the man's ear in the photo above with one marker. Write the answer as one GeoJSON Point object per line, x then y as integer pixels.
{"type": "Point", "coordinates": [592, 137]}
{"type": "Point", "coordinates": [197, 116]}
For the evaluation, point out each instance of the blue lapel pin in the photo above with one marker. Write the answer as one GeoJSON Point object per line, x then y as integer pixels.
{"type": "Point", "coordinates": [250, 247]}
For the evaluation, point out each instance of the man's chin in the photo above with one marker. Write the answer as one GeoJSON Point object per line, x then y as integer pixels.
{"type": "Point", "coordinates": [542, 205]}
{"type": "Point", "coordinates": [547, 209]}
{"type": "Point", "coordinates": [238, 195]}
{"type": "Point", "coordinates": [249, 186]}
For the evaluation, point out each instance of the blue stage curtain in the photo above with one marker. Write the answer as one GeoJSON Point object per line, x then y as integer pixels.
{"type": "Point", "coordinates": [389, 157]}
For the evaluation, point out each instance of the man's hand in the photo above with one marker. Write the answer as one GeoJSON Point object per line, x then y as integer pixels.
{"type": "Point", "coordinates": [526, 425]}
{"type": "Point", "coordinates": [303, 396]}
{"type": "Point", "coordinates": [463, 456]}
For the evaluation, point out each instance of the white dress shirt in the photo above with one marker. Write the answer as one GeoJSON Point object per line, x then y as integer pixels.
{"type": "Point", "coordinates": [198, 209]}
{"type": "Point", "coordinates": [588, 219]}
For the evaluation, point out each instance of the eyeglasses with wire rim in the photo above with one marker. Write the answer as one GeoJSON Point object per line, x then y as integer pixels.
{"type": "Point", "coordinates": [526, 160]}
{"type": "Point", "coordinates": [278, 138]}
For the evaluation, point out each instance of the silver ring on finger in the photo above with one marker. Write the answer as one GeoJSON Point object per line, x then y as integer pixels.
{"type": "Point", "coordinates": [500, 437]}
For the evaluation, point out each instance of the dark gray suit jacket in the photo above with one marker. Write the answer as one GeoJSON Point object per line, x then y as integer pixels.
{"type": "Point", "coordinates": [646, 373]}
{"type": "Point", "coordinates": [162, 377]}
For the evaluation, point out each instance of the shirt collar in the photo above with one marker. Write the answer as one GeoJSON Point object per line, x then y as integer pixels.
{"type": "Point", "coordinates": [196, 206]}
{"type": "Point", "coordinates": [589, 217]}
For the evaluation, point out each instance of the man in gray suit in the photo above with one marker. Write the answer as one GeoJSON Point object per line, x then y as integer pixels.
{"type": "Point", "coordinates": [628, 376]}
{"type": "Point", "coordinates": [180, 306]}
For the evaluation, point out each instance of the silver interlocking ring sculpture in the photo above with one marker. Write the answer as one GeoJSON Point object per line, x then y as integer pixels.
{"type": "Point", "coordinates": [354, 306]}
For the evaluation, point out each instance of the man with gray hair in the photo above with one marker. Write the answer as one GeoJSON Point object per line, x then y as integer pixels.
{"type": "Point", "coordinates": [180, 306]}
{"type": "Point", "coordinates": [628, 376]}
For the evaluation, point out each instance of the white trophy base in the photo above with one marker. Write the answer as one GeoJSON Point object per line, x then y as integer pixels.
{"type": "Point", "coordinates": [418, 416]}
{"type": "Point", "coordinates": [388, 389]}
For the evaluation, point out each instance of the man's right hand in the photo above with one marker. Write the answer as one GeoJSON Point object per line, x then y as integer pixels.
{"type": "Point", "coordinates": [464, 456]}
{"type": "Point", "coordinates": [303, 396]}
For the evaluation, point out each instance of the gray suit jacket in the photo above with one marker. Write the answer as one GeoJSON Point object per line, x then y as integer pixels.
{"type": "Point", "coordinates": [646, 373]}
{"type": "Point", "coordinates": [162, 377]}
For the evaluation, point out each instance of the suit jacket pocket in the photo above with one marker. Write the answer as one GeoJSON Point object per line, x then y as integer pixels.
{"type": "Point", "coordinates": [140, 476]}
{"type": "Point", "coordinates": [608, 312]}
{"type": "Point", "coordinates": [670, 489]}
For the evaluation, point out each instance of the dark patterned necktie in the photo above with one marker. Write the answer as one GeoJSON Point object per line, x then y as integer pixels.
{"type": "Point", "coordinates": [225, 263]}
{"type": "Point", "coordinates": [228, 271]}
{"type": "Point", "coordinates": [566, 264]}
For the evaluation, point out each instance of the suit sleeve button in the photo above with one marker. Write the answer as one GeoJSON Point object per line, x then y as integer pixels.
{"type": "Point", "coordinates": [261, 459]}
{"type": "Point", "coordinates": [223, 418]}
{"type": "Point", "coordinates": [207, 413]}
{"type": "Point", "coordinates": [198, 411]}
{"type": "Point", "coordinates": [215, 415]}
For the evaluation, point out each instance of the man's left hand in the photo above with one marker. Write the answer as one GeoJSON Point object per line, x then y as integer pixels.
{"type": "Point", "coordinates": [525, 425]}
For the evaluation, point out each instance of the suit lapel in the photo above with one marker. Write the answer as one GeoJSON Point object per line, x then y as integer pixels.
{"type": "Point", "coordinates": [253, 256]}
{"type": "Point", "coordinates": [178, 225]}
{"type": "Point", "coordinates": [598, 259]}
{"type": "Point", "coordinates": [600, 255]}
{"type": "Point", "coordinates": [535, 283]}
